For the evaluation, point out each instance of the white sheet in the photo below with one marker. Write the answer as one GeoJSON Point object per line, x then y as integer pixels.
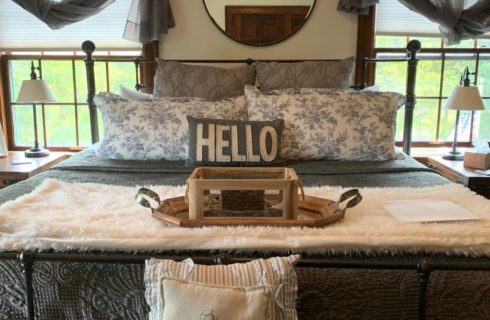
{"type": "Point", "coordinates": [61, 215]}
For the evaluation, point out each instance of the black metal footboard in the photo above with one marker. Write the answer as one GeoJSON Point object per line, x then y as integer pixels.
{"type": "Point", "coordinates": [421, 265]}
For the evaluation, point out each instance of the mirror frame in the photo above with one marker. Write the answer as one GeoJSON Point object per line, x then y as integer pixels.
{"type": "Point", "coordinates": [260, 44]}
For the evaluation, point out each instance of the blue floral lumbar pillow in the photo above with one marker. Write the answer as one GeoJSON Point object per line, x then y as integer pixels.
{"type": "Point", "coordinates": [217, 142]}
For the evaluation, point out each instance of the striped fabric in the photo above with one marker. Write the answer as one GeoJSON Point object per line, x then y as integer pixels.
{"type": "Point", "coordinates": [277, 272]}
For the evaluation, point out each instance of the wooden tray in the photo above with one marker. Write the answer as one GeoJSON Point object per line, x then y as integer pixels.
{"type": "Point", "coordinates": [312, 212]}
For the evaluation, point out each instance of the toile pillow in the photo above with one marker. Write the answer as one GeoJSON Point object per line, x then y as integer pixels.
{"type": "Point", "coordinates": [305, 74]}
{"type": "Point", "coordinates": [333, 124]}
{"type": "Point", "coordinates": [155, 129]}
{"type": "Point", "coordinates": [175, 79]}
{"type": "Point", "coordinates": [217, 142]}
{"type": "Point", "coordinates": [277, 273]}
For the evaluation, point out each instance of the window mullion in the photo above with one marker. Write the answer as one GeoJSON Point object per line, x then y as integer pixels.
{"type": "Point", "coordinates": [77, 139]}
{"type": "Point", "coordinates": [477, 66]}
{"type": "Point", "coordinates": [43, 113]}
{"type": "Point", "coordinates": [439, 105]}
{"type": "Point", "coordinates": [108, 84]}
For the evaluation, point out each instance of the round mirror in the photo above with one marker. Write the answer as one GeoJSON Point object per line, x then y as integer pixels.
{"type": "Point", "coordinates": [259, 22]}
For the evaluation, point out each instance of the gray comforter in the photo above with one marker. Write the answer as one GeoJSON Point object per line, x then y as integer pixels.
{"type": "Point", "coordinates": [69, 290]}
{"type": "Point", "coordinates": [87, 167]}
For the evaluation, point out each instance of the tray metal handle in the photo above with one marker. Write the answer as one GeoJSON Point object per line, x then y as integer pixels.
{"type": "Point", "coordinates": [145, 192]}
{"type": "Point", "coordinates": [355, 198]}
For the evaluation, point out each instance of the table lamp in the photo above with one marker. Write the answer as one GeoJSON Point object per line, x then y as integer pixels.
{"type": "Point", "coordinates": [35, 91]}
{"type": "Point", "coordinates": [463, 97]}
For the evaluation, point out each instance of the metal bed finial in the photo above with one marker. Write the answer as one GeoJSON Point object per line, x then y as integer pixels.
{"type": "Point", "coordinates": [88, 47]}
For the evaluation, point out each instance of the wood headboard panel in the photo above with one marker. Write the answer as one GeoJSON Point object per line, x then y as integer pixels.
{"type": "Point", "coordinates": [413, 48]}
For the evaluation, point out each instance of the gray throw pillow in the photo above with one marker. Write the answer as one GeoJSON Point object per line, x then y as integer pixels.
{"type": "Point", "coordinates": [306, 74]}
{"type": "Point", "coordinates": [175, 79]}
{"type": "Point", "coordinates": [217, 142]}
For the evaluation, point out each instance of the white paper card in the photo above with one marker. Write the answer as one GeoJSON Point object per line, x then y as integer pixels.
{"type": "Point", "coordinates": [428, 211]}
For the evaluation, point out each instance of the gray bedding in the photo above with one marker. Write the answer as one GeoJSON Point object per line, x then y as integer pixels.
{"type": "Point", "coordinates": [69, 290]}
{"type": "Point", "coordinates": [87, 167]}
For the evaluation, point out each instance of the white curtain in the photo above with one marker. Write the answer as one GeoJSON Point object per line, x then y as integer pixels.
{"type": "Point", "coordinates": [148, 19]}
{"type": "Point", "coordinates": [57, 14]}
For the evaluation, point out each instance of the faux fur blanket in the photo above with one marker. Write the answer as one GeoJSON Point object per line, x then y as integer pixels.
{"type": "Point", "coordinates": [64, 215]}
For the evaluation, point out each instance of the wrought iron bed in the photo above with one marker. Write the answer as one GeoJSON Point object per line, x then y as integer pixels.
{"type": "Point", "coordinates": [413, 48]}
{"type": "Point", "coordinates": [422, 265]}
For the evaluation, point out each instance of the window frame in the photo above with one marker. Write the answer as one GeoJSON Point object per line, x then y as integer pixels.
{"type": "Point", "coordinates": [149, 52]}
{"type": "Point", "coordinates": [443, 52]}
{"type": "Point", "coordinates": [7, 107]}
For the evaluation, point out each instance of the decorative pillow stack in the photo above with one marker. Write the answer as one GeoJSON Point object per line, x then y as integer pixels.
{"type": "Point", "coordinates": [334, 124]}
{"type": "Point", "coordinates": [155, 129]}
{"type": "Point", "coordinates": [175, 79]}
{"type": "Point", "coordinates": [269, 286]}
{"type": "Point", "coordinates": [218, 142]}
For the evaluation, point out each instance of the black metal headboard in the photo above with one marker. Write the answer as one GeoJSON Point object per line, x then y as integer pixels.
{"type": "Point", "coordinates": [413, 48]}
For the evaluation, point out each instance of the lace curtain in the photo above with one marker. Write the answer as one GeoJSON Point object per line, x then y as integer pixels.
{"type": "Point", "coordinates": [59, 14]}
{"type": "Point", "coordinates": [148, 19]}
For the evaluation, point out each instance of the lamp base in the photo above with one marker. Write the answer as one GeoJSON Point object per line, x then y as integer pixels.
{"type": "Point", "coordinates": [36, 153]}
{"type": "Point", "coordinates": [453, 155]}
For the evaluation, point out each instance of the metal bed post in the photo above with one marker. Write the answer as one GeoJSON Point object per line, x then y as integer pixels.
{"type": "Point", "coordinates": [137, 62]}
{"type": "Point", "coordinates": [413, 47]}
{"type": "Point", "coordinates": [88, 47]}
{"type": "Point", "coordinates": [364, 65]}
{"type": "Point", "coordinates": [26, 259]}
{"type": "Point", "coordinates": [423, 269]}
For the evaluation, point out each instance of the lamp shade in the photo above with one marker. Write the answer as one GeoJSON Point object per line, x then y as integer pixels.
{"type": "Point", "coordinates": [35, 91]}
{"type": "Point", "coordinates": [464, 98]}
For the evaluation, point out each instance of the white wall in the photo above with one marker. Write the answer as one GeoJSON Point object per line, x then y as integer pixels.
{"type": "Point", "coordinates": [216, 8]}
{"type": "Point", "coordinates": [326, 34]}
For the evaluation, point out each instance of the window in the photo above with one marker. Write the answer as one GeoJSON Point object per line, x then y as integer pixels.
{"type": "Point", "coordinates": [439, 70]}
{"type": "Point", "coordinates": [24, 39]}
{"type": "Point", "coordinates": [22, 31]}
{"type": "Point", "coordinates": [64, 123]}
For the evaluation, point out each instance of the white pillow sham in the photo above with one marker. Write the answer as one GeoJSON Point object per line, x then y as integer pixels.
{"type": "Point", "coordinates": [333, 124]}
{"type": "Point", "coordinates": [127, 93]}
{"type": "Point", "coordinates": [276, 272]}
{"type": "Point", "coordinates": [193, 300]}
{"type": "Point", "coordinates": [155, 129]}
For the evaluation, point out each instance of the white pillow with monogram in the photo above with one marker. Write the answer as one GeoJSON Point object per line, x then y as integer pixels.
{"type": "Point", "coordinates": [155, 129]}
{"type": "Point", "coordinates": [182, 299]}
{"type": "Point", "coordinates": [333, 124]}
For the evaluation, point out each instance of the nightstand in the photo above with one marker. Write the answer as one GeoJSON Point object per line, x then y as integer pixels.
{"type": "Point", "coordinates": [456, 172]}
{"type": "Point", "coordinates": [17, 167]}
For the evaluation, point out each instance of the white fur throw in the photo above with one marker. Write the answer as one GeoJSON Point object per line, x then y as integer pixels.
{"type": "Point", "coordinates": [64, 215]}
